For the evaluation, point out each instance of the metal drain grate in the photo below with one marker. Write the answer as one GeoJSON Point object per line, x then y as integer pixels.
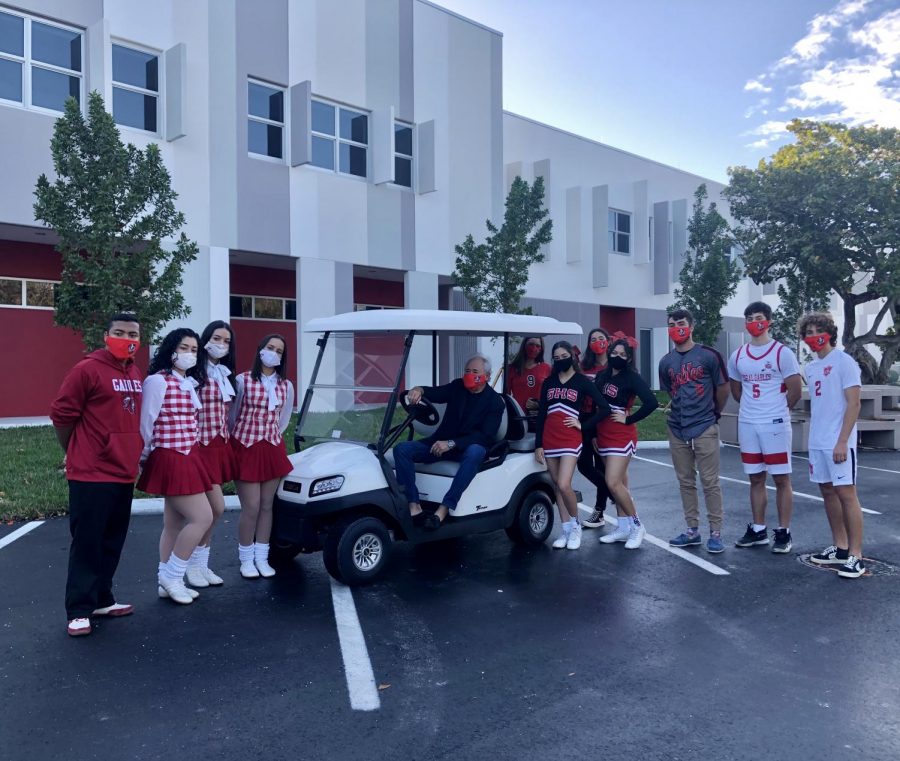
{"type": "Point", "coordinates": [873, 567]}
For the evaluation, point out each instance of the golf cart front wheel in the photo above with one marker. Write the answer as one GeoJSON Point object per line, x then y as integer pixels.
{"type": "Point", "coordinates": [356, 553]}
{"type": "Point", "coordinates": [534, 520]}
{"type": "Point", "coordinates": [281, 554]}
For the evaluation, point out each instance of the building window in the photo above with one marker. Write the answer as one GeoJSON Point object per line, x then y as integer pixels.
{"type": "Point", "coordinates": [263, 308]}
{"type": "Point", "coordinates": [403, 154]}
{"type": "Point", "coordinates": [619, 232]}
{"type": "Point", "coordinates": [40, 63]}
{"type": "Point", "coordinates": [371, 307]}
{"type": "Point", "coordinates": [265, 120]}
{"type": "Point", "coordinates": [340, 139]}
{"type": "Point", "coordinates": [27, 294]}
{"type": "Point", "coordinates": [135, 88]}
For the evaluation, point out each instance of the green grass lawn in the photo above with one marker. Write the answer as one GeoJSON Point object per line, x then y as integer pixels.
{"type": "Point", "coordinates": [33, 483]}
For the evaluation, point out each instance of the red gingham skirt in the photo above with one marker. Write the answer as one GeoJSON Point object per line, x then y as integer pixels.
{"type": "Point", "coordinates": [169, 473]}
{"type": "Point", "coordinates": [219, 459]}
{"type": "Point", "coordinates": [261, 462]}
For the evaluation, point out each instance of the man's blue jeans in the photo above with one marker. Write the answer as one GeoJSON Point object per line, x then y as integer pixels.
{"type": "Point", "coordinates": [407, 454]}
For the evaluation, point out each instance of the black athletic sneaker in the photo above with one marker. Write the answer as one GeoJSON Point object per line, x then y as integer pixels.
{"type": "Point", "coordinates": [829, 556]}
{"type": "Point", "coordinates": [752, 538]}
{"type": "Point", "coordinates": [596, 519]}
{"type": "Point", "coordinates": [782, 542]}
{"type": "Point", "coordinates": [852, 568]}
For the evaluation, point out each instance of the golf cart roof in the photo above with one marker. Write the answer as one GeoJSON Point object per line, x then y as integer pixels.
{"type": "Point", "coordinates": [442, 321]}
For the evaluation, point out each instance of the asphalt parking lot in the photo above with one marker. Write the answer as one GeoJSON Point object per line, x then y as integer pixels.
{"type": "Point", "coordinates": [477, 648]}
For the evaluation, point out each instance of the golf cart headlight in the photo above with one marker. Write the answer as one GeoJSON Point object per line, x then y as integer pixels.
{"type": "Point", "coordinates": [326, 486]}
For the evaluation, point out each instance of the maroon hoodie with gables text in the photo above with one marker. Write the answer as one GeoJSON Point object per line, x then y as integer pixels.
{"type": "Point", "coordinates": [102, 400]}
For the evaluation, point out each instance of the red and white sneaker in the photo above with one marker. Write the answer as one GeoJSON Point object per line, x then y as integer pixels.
{"type": "Point", "coordinates": [115, 610]}
{"type": "Point", "coordinates": [78, 627]}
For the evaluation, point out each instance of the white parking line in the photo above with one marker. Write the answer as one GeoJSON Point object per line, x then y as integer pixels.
{"type": "Point", "coordinates": [684, 555]}
{"type": "Point", "coordinates": [814, 497]}
{"type": "Point", "coordinates": [19, 532]}
{"type": "Point", "coordinates": [357, 666]}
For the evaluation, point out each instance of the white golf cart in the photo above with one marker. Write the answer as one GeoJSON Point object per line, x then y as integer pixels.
{"type": "Point", "coordinates": [342, 496]}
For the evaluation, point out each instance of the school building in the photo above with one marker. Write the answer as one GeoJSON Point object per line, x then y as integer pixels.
{"type": "Point", "coordinates": [328, 156]}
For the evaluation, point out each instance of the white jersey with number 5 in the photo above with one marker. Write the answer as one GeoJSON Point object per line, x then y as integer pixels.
{"type": "Point", "coordinates": [761, 371]}
{"type": "Point", "coordinates": [827, 378]}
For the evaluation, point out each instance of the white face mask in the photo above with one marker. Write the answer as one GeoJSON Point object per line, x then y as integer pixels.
{"type": "Point", "coordinates": [184, 360]}
{"type": "Point", "coordinates": [270, 358]}
{"type": "Point", "coordinates": [216, 351]}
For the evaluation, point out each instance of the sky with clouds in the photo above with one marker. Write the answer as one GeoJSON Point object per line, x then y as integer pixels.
{"type": "Point", "coordinates": [698, 84]}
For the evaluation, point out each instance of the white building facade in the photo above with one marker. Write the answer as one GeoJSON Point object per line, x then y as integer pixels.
{"type": "Point", "coordinates": [328, 155]}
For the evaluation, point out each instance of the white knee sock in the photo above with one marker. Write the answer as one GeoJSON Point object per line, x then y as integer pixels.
{"type": "Point", "coordinates": [261, 552]}
{"type": "Point", "coordinates": [161, 569]}
{"type": "Point", "coordinates": [624, 522]}
{"type": "Point", "coordinates": [204, 556]}
{"type": "Point", "coordinates": [245, 553]}
{"type": "Point", "coordinates": [175, 568]}
{"type": "Point", "coordinates": [196, 558]}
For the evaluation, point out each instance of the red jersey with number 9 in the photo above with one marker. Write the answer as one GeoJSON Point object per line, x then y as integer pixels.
{"type": "Point", "coordinates": [527, 384]}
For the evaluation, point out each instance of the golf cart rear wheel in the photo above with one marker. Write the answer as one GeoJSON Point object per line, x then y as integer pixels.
{"type": "Point", "coordinates": [534, 520]}
{"type": "Point", "coordinates": [357, 552]}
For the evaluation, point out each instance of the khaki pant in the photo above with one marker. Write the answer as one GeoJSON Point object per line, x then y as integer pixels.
{"type": "Point", "coordinates": [690, 457]}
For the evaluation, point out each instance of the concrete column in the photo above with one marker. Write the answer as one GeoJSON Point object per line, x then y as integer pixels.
{"type": "Point", "coordinates": [420, 291]}
{"type": "Point", "coordinates": [324, 288]}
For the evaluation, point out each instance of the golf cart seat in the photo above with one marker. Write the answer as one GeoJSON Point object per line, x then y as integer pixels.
{"type": "Point", "coordinates": [517, 433]}
{"type": "Point", "coordinates": [496, 454]}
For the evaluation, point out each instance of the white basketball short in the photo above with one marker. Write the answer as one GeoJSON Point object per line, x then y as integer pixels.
{"type": "Point", "coordinates": [824, 470]}
{"type": "Point", "coordinates": [765, 447]}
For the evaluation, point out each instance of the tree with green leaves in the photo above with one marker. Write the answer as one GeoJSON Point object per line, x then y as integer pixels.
{"type": "Point", "coordinates": [797, 296]}
{"type": "Point", "coordinates": [493, 275]}
{"type": "Point", "coordinates": [709, 276]}
{"type": "Point", "coordinates": [112, 207]}
{"type": "Point", "coordinates": [825, 211]}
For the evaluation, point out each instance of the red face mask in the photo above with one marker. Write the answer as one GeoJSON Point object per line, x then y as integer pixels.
{"type": "Point", "coordinates": [122, 348]}
{"type": "Point", "coordinates": [679, 335]}
{"type": "Point", "coordinates": [599, 345]}
{"type": "Point", "coordinates": [532, 351]}
{"type": "Point", "coordinates": [473, 380]}
{"type": "Point", "coordinates": [757, 328]}
{"type": "Point", "coordinates": [817, 342]}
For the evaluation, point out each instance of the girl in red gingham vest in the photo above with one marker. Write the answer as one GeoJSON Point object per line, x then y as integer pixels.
{"type": "Point", "coordinates": [172, 465]}
{"type": "Point", "coordinates": [261, 413]}
{"type": "Point", "coordinates": [215, 374]}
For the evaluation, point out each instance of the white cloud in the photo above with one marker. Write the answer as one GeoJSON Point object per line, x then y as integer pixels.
{"type": "Point", "coordinates": [756, 85]}
{"type": "Point", "coordinates": [846, 68]}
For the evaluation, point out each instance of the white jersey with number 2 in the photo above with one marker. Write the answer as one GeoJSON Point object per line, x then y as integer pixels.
{"type": "Point", "coordinates": [761, 371]}
{"type": "Point", "coordinates": [827, 378]}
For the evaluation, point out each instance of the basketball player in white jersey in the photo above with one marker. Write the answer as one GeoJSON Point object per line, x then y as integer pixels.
{"type": "Point", "coordinates": [765, 381]}
{"type": "Point", "coordinates": [833, 379]}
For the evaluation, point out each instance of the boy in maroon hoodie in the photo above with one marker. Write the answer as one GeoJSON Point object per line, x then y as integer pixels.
{"type": "Point", "coordinates": [97, 417]}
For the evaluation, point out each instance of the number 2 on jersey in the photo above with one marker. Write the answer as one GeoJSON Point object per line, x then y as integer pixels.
{"type": "Point", "coordinates": [818, 388]}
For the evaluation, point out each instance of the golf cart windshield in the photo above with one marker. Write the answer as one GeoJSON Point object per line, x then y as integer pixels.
{"type": "Point", "coordinates": [352, 388]}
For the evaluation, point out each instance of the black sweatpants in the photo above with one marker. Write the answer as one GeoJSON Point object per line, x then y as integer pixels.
{"type": "Point", "coordinates": [99, 513]}
{"type": "Point", "coordinates": [590, 465]}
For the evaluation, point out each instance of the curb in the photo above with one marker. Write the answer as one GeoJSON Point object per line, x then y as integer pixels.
{"type": "Point", "coordinates": [155, 506]}
{"type": "Point", "coordinates": [653, 444]}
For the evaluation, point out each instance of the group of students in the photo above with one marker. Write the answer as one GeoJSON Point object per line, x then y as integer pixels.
{"type": "Point", "coordinates": [581, 411]}
{"type": "Point", "coordinates": [192, 426]}
{"type": "Point", "coordinates": [188, 428]}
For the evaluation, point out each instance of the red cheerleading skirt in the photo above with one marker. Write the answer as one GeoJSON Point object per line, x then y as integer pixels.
{"type": "Point", "coordinates": [260, 462]}
{"type": "Point", "coordinates": [219, 459]}
{"type": "Point", "coordinates": [615, 438]}
{"type": "Point", "coordinates": [169, 473]}
{"type": "Point", "coordinates": [560, 440]}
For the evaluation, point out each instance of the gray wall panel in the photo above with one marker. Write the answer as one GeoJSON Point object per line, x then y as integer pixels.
{"type": "Point", "coordinates": [81, 13]}
{"type": "Point", "coordinates": [661, 247]}
{"type": "Point", "coordinates": [407, 231]}
{"type": "Point", "coordinates": [406, 104]}
{"type": "Point", "coordinates": [425, 157]}
{"type": "Point", "coordinates": [573, 224]}
{"type": "Point", "coordinates": [301, 123]}
{"type": "Point", "coordinates": [383, 227]}
{"type": "Point", "coordinates": [599, 236]}
{"type": "Point", "coordinates": [223, 131]}
{"type": "Point", "coordinates": [176, 91]}
{"type": "Point", "coordinates": [679, 236]}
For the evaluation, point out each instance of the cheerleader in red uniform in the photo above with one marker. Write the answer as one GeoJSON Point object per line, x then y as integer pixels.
{"type": "Point", "coordinates": [214, 374]}
{"type": "Point", "coordinates": [527, 373]}
{"type": "Point", "coordinates": [172, 465]}
{"type": "Point", "coordinates": [261, 412]}
{"type": "Point", "coordinates": [590, 464]}
{"type": "Point", "coordinates": [617, 436]}
{"type": "Point", "coordinates": [558, 434]}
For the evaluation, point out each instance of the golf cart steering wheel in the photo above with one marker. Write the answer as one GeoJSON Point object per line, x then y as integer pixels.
{"type": "Point", "coordinates": [425, 412]}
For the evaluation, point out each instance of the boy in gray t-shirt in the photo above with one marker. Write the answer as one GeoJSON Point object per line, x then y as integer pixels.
{"type": "Point", "coordinates": [696, 379]}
